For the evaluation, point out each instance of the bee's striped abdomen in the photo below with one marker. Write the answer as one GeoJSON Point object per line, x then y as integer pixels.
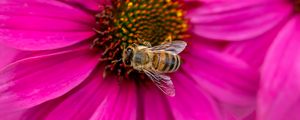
{"type": "Point", "coordinates": [165, 62]}
{"type": "Point", "coordinates": [173, 64]}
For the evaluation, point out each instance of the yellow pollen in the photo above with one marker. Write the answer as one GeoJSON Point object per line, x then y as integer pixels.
{"type": "Point", "coordinates": [179, 13]}
{"type": "Point", "coordinates": [184, 25]}
{"type": "Point", "coordinates": [130, 4]}
{"type": "Point", "coordinates": [124, 30]}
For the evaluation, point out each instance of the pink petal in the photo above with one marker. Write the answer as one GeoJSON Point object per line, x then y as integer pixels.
{"type": "Point", "coordinates": [279, 96]}
{"type": "Point", "coordinates": [120, 103]}
{"type": "Point", "coordinates": [252, 116]}
{"type": "Point", "coordinates": [230, 80]}
{"type": "Point", "coordinates": [237, 20]}
{"type": "Point", "coordinates": [191, 102]}
{"type": "Point", "coordinates": [92, 5]}
{"type": "Point", "coordinates": [253, 51]}
{"type": "Point", "coordinates": [7, 55]}
{"type": "Point", "coordinates": [40, 25]}
{"type": "Point", "coordinates": [80, 103]}
{"type": "Point", "coordinates": [10, 55]}
{"type": "Point", "coordinates": [12, 116]}
{"type": "Point", "coordinates": [32, 81]}
{"type": "Point", "coordinates": [154, 104]}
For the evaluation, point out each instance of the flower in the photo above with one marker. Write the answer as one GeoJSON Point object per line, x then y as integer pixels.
{"type": "Point", "coordinates": [269, 30]}
{"type": "Point", "coordinates": [53, 73]}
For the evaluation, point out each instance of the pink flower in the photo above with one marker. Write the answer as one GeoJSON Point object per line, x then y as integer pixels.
{"type": "Point", "coordinates": [270, 30]}
{"type": "Point", "coordinates": [49, 70]}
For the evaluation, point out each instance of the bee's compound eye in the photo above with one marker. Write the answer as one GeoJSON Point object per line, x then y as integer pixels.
{"type": "Point", "coordinates": [129, 50]}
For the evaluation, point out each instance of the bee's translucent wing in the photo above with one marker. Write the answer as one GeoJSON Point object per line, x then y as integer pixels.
{"type": "Point", "coordinates": [163, 82]}
{"type": "Point", "coordinates": [175, 47]}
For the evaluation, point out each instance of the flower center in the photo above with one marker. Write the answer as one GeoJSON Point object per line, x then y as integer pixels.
{"type": "Point", "coordinates": [128, 22]}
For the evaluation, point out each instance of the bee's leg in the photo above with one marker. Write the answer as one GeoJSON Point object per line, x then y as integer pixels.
{"type": "Point", "coordinates": [128, 73]}
{"type": "Point", "coordinates": [140, 40]}
{"type": "Point", "coordinates": [137, 68]}
{"type": "Point", "coordinates": [148, 44]}
{"type": "Point", "coordinates": [140, 69]}
{"type": "Point", "coordinates": [134, 45]}
{"type": "Point", "coordinates": [144, 42]}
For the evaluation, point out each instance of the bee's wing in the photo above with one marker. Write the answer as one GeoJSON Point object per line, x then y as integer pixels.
{"type": "Point", "coordinates": [163, 82]}
{"type": "Point", "coordinates": [175, 47]}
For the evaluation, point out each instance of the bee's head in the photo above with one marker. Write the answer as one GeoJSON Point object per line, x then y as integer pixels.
{"type": "Point", "coordinates": [127, 55]}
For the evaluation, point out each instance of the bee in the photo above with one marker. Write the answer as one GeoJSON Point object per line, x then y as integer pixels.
{"type": "Point", "coordinates": [155, 62]}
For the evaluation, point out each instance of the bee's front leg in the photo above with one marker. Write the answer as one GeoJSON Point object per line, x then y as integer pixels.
{"type": "Point", "coordinates": [139, 69]}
